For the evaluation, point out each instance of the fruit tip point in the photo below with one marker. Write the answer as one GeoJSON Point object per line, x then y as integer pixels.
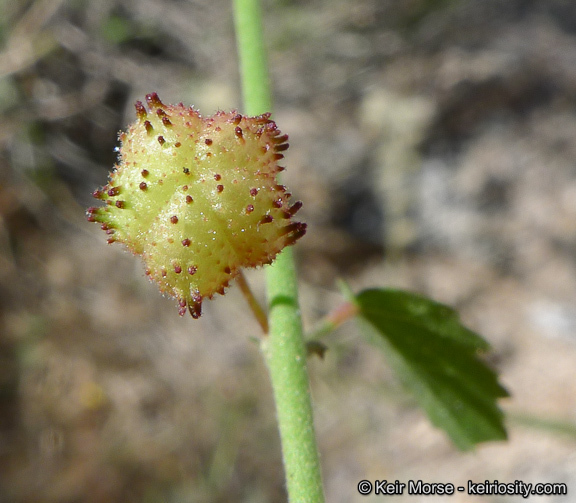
{"type": "Point", "coordinates": [153, 100]}
{"type": "Point", "coordinates": [140, 110]}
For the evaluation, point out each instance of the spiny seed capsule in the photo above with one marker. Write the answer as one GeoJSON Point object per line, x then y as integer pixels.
{"type": "Point", "coordinates": [242, 221]}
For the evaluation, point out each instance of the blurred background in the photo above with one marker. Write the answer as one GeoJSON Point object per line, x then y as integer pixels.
{"type": "Point", "coordinates": [433, 145]}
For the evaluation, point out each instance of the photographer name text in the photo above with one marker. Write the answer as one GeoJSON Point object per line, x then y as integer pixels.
{"type": "Point", "coordinates": [486, 488]}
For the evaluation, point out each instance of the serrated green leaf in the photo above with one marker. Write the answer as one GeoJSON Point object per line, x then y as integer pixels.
{"type": "Point", "coordinates": [437, 359]}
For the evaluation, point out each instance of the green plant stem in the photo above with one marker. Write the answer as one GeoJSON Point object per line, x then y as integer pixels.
{"type": "Point", "coordinates": [286, 354]}
{"type": "Point", "coordinates": [284, 349]}
{"type": "Point", "coordinates": [252, 54]}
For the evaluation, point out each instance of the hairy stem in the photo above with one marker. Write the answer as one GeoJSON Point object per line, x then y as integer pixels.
{"type": "Point", "coordinates": [284, 349]}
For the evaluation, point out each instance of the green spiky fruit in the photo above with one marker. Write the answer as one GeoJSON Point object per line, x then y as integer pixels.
{"type": "Point", "coordinates": [198, 198]}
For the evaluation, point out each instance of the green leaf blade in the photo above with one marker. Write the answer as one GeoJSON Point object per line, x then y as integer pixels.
{"type": "Point", "coordinates": [436, 357]}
